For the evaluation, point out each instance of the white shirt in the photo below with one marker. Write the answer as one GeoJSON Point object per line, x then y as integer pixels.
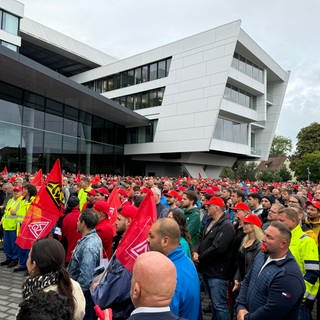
{"type": "Point", "coordinates": [150, 310]}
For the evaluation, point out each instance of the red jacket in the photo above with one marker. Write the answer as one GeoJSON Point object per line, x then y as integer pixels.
{"type": "Point", "coordinates": [70, 232]}
{"type": "Point", "coordinates": [105, 232]}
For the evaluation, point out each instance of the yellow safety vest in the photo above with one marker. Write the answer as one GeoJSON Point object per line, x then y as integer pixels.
{"type": "Point", "coordinates": [82, 196]}
{"type": "Point", "coordinates": [305, 251]}
{"type": "Point", "coordinates": [9, 220]}
{"type": "Point", "coordinates": [21, 213]}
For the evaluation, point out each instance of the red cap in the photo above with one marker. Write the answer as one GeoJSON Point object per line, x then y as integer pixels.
{"type": "Point", "coordinates": [208, 190]}
{"type": "Point", "coordinates": [181, 188]}
{"type": "Point", "coordinates": [241, 206]}
{"type": "Point", "coordinates": [173, 193]}
{"type": "Point", "coordinates": [123, 192]}
{"type": "Point", "coordinates": [92, 192]}
{"type": "Point", "coordinates": [216, 201]}
{"type": "Point", "coordinates": [252, 219]}
{"type": "Point", "coordinates": [17, 188]}
{"type": "Point", "coordinates": [129, 211]}
{"type": "Point", "coordinates": [102, 206]}
{"type": "Point", "coordinates": [102, 190]}
{"type": "Point", "coordinates": [316, 204]}
{"type": "Point", "coordinates": [144, 190]}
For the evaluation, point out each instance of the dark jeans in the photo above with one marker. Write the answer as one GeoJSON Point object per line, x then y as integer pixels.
{"type": "Point", "coordinates": [90, 313]}
{"type": "Point", "coordinates": [9, 244]}
{"type": "Point", "coordinates": [217, 289]}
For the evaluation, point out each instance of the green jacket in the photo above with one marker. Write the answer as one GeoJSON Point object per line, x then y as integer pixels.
{"type": "Point", "coordinates": [193, 224]}
{"type": "Point", "coordinates": [305, 251]}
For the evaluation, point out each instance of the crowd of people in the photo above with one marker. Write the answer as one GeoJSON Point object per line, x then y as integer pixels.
{"type": "Point", "coordinates": [251, 246]}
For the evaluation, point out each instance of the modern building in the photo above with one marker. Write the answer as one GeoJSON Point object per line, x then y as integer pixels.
{"type": "Point", "coordinates": [192, 106]}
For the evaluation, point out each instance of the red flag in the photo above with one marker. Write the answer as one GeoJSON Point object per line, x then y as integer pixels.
{"type": "Point", "coordinates": [134, 241]}
{"type": "Point", "coordinates": [78, 178]}
{"type": "Point", "coordinates": [4, 171]}
{"type": "Point", "coordinates": [44, 211]}
{"type": "Point", "coordinates": [37, 180]}
{"type": "Point", "coordinates": [95, 179]}
{"type": "Point", "coordinates": [114, 203]}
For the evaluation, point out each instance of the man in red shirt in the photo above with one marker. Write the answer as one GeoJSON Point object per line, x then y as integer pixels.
{"type": "Point", "coordinates": [69, 226]}
{"type": "Point", "coordinates": [104, 228]}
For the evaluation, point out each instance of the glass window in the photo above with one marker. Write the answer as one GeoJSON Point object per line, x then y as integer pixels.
{"type": "Point", "coordinates": [34, 100]}
{"type": "Point", "coordinates": [130, 102]}
{"type": "Point", "coordinates": [153, 71]}
{"type": "Point", "coordinates": [10, 46]}
{"type": "Point", "coordinates": [123, 101]}
{"type": "Point", "coordinates": [10, 23]}
{"type": "Point", "coordinates": [153, 99]}
{"type": "Point", "coordinates": [145, 73]}
{"type": "Point", "coordinates": [131, 77]}
{"type": "Point", "coordinates": [145, 100]}
{"type": "Point", "coordinates": [70, 121]}
{"type": "Point", "coordinates": [110, 83]}
{"type": "Point", "coordinates": [33, 118]}
{"type": "Point", "coordinates": [162, 69]}
{"type": "Point", "coordinates": [124, 79]}
{"type": "Point", "coordinates": [10, 112]}
{"type": "Point", "coordinates": [168, 62]}
{"type": "Point", "coordinates": [98, 85]}
{"type": "Point", "coordinates": [218, 131]}
{"type": "Point", "coordinates": [137, 101]}
{"type": "Point", "coordinates": [52, 143]}
{"type": "Point", "coordinates": [10, 93]}
{"type": "Point", "coordinates": [249, 69]}
{"type": "Point", "coordinates": [227, 130]}
{"type": "Point", "coordinates": [137, 75]}
{"type": "Point", "coordinates": [116, 81]}
{"type": "Point", "coordinates": [69, 145]}
{"type": "Point", "coordinates": [97, 128]}
{"type": "Point", "coordinates": [104, 85]}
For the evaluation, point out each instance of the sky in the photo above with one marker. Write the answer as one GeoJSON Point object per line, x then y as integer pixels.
{"type": "Point", "coordinates": [286, 30]}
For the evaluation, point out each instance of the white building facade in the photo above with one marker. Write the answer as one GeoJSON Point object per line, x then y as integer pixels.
{"type": "Point", "coordinates": [210, 99]}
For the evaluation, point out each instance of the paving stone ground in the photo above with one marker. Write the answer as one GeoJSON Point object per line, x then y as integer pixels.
{"type": "Point", "coordinates": [10, 291]}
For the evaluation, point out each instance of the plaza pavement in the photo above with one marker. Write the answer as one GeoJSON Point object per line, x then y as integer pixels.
{"type": "Point", "coordinates": [10, 291]}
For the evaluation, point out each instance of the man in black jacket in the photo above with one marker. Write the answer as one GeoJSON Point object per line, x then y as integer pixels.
{"type": "Point", "coordinates": [214, 256]}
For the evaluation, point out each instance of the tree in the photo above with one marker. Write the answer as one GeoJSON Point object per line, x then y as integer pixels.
{"type": "Point", "coordinates": [308, 142]}
{"type": "Point", "coordinates": [311, 161]}
{"type": "Point", "coordinates": [241, 170]}
{"type": "Point", "coordinates": [308, 139]}
{"type": "Point", "coordinates": [281, 146]}
{"type": "Point", "coordinates": [284, 173]}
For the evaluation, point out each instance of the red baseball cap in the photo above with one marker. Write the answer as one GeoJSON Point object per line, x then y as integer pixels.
{"type": "Point", "coordinates": [217, 201]}
{"type": "Point", "coordinates": [316, 204]}
{"type": "Point", "coordinates": [92, 192]}
{"type": "Point", "coordinates": [123, 192]}
{"type": "Point", "coordinates": [173, 193]}
{"type": "Point", "coordinates": [103, 190]}
{"type": "Point", "coordinates": [241, 206]}
{"type": "Point", "coordinates": [17, 188]}
{"type": "Point", "coordinates": [181, 188]}
{"type": "Point", "coordinates": [252, 219]}
{"type": "Point", "coordinates": [102, 206]}
{"type": "Point", "coordinates": [129, 211]}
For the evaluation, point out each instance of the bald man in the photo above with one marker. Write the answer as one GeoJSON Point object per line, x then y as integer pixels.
{"type": "Point", "coordinates": [164, 237]}
{"type": "Point", "coordinates": [152, 287]}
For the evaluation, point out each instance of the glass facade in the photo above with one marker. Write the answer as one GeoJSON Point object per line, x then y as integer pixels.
{"type": "Point", "coordinates": [229, 130]}
{"type": "Point", "coordinates": [152, 71]}
{"type": "Point", "coordinates": [35, 130]}
{"type": "Point", "coordinates": [249, 68]}
{"type": "Point", "coordinates": [240, 96]}
{"type": "Point", "coordinates": [9, 22]}
{"type": "Point", "coordinates": [142, 134]}
{"type": "Point", "coordinates": [142, 100]}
